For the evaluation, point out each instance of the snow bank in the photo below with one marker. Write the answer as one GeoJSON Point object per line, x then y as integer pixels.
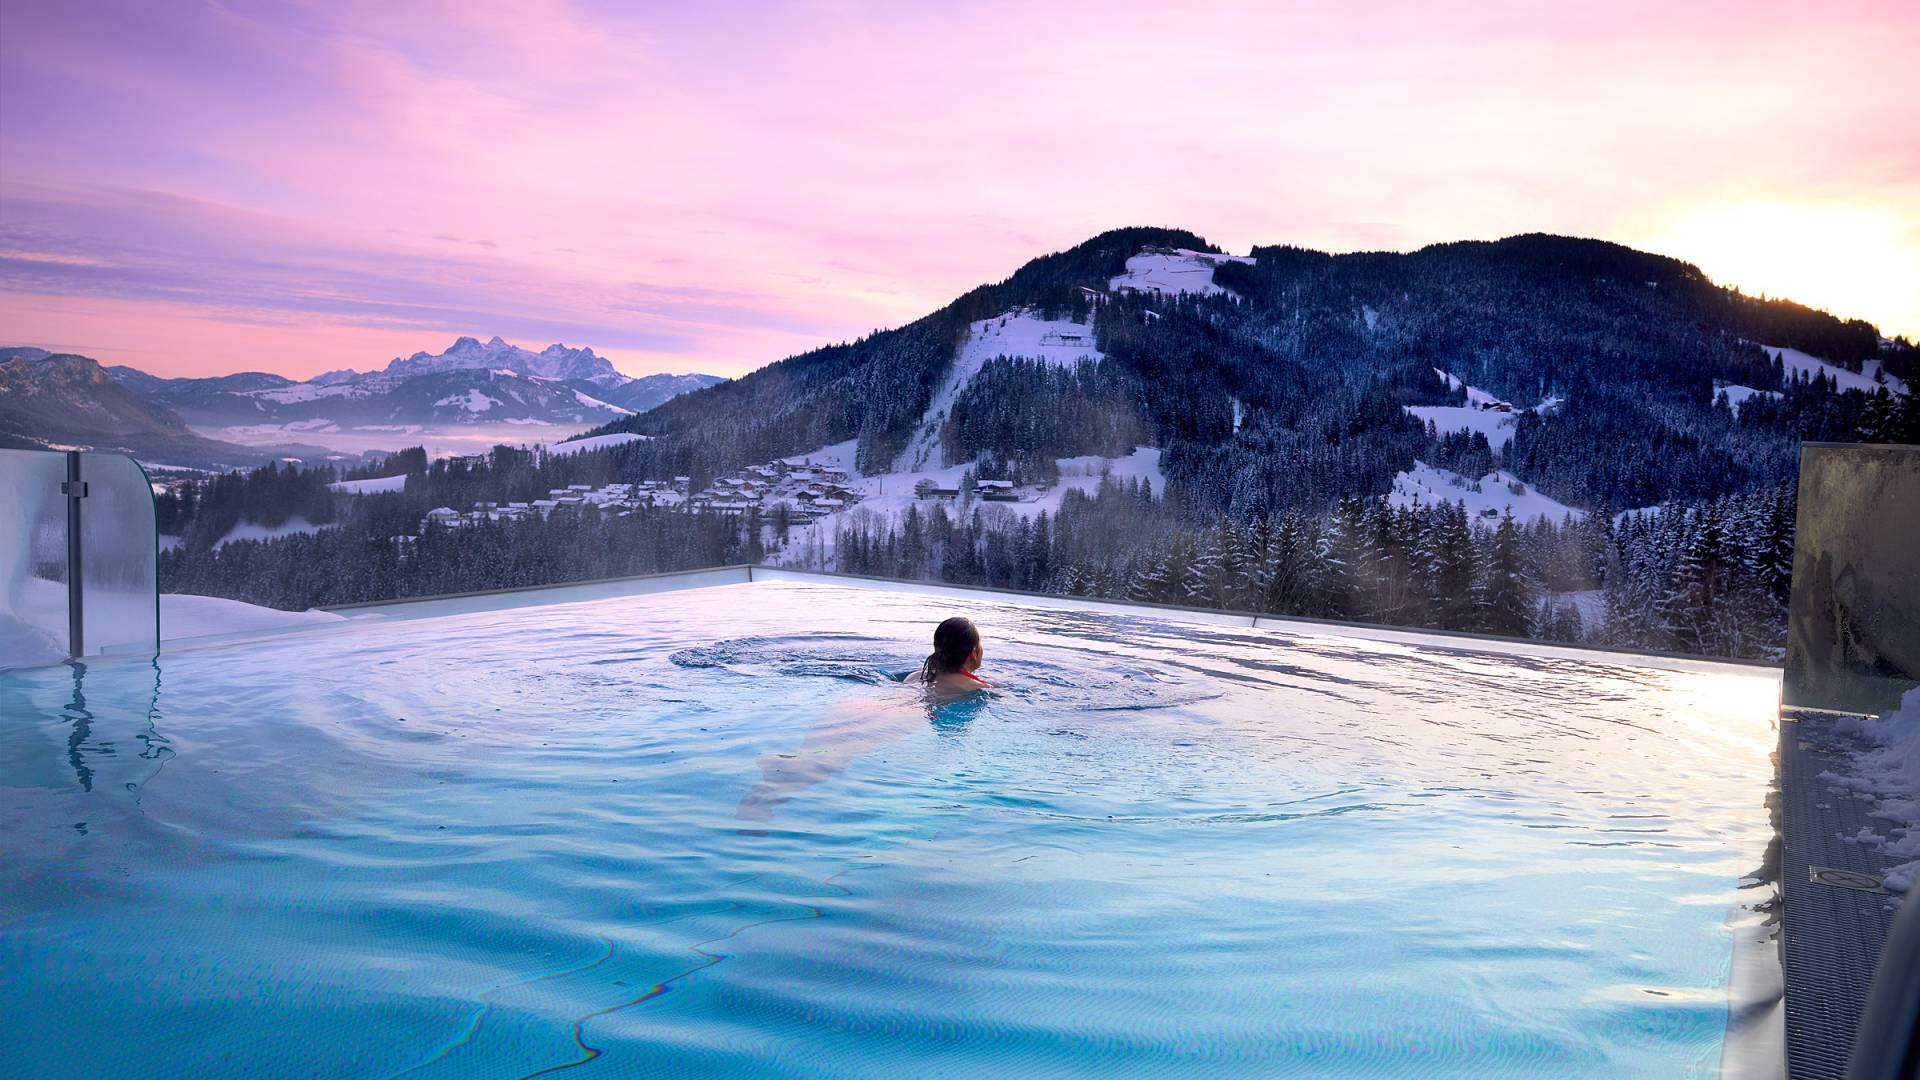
{"type": "Point", "coordinates": [1794, 361]}
{"type": "Point", "coordinates": [1174, 272]}
{"type": "Point", "coordinates": [594, 442]}
{"type": "Point", "coordinates": [184, 616]}
{"type": "Point", "coordinates": [1014, 334]}
{"type": "Point", "coordinates": [1426, 484]}
{"type": "Point", "coordinates": [367, 487]}
{"type": "Point", "coordinates": [1885, 770]}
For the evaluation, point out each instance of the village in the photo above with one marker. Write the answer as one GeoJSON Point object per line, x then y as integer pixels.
{"type": "Point", "coordinates": [800, 489]}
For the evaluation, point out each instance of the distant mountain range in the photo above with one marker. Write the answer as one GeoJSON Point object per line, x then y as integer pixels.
{"type": "Point", "coordinates": [79, 402]}
{"type": "Point", "coordinates": [61, 401]}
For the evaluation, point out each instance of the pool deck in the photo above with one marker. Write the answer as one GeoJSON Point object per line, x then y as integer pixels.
{"type": "Point", "coordinates": [1835, 915]}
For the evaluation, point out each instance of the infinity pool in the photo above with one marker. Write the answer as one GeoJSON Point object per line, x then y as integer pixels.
{"type": "Point", "coordinates": [704, 834]}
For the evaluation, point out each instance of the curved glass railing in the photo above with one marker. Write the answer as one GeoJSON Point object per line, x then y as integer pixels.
{"type": "Point", "coordinates": [79, 557]}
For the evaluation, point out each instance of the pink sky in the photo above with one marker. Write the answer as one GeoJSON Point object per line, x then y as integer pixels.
{"type": "Point", "coordinates": [201, 188]}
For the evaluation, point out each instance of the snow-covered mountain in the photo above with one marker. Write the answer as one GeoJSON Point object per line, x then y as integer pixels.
{"type": "Point", "coordinates": [556, 361]}
{"type": "Point", "coordinates": [469, 383]}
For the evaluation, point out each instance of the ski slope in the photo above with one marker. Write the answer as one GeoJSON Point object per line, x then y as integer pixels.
{"type": "Point", "coordinates": [1427, 485]}
{"type": "Point", "coordinates": [1172, 273]}
{"type": "Point", "coordinates": [1014, 334]}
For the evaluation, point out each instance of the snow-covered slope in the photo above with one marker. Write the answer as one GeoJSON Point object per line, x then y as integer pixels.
{"type": "Point", "coordinates": [1173, 272]}
{"type": "Point", "coordinates": [370, 487]}
{"type": "Point", "coordinates": [594, 442]}
{"type": "Point", "coordinates": [1795, 361]}
{"type": "Point", "coordinates": [1014, 334]}
{"type": "Point", "coordinates": [1738, 395]}
{"type": "Point", "coordinates": [1483, 413]}
{"type": "Point", "coordinates": [248, 530]}
{"type": "Point", "coordinates": [183, 616]}
{"type": "Point", "coordinates": [1428, 485]}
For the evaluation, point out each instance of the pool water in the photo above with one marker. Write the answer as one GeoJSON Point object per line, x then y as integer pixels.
{"type": "Point", "coordinates": [705, 834]}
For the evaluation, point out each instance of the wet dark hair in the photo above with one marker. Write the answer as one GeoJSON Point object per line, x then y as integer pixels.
{"type": "Point", "coordinates": [953, 642]}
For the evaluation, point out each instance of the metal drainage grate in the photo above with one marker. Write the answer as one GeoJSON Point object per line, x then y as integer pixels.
{"type": "Point", "coordinates": [1845, 879]}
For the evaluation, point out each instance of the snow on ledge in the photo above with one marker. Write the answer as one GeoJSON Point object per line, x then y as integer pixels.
{"type": "Point", "coordinates": [1885, 771]}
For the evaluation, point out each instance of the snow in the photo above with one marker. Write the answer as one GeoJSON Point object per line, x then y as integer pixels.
{"type": "Point", "coordinates": [1496, 426]}
{"type": "Point", "coordinates": [248, 530]}
{"type": "Point", "coordinates": [532, 422]}
{"type": "Point", "coordinates": [1475, 395]}
{"type": "Point", "coordinates": [1590, 603]}
{"type": "Point", "coordinates": [39, 603]}
{"type": "Point", "coordinates": [369, 487]}
{"type": "Point", "coordinates": [473, 401]}
{"type": "Point", "coordinates": [1738, 395]}
{"type": "Point", "coordinates": [1885, 771]}
{"type": "Point", "coordinates": [1021, 334]}
{"type": "Point", "coordinates": [1477, 414]}
{"type": "Point", "coordinates": [592, 402]}
{"type": "Point", "coordinates": [1796, 361]}
{"type": "Point", "coordinates": [889, 494]}
{"type": "Point", "coordinates": [1371, 316]}
{"type": "Point", "coordinates": [1427, 485]}
{"type": "Point", "coordinates": [185, 616]}
{"type": "Point", "coordinates": [1171, 273]}
{"type": "Point", "coordinates": [594, 442]}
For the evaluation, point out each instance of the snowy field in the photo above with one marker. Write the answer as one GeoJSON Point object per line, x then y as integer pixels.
{"type": "Point", "coordinates": [1014, 334]}
{"type": "Point", "coordinates": [1175, 272]}
{"type": "Point", "coordinates": [1476, 415]}
{"type": "Point", "coordinates": [1428, 485]}
{"type": "Point", "coordinates": [1496, 426]}
{"type": "Point", "coordinates": [1796, 361]}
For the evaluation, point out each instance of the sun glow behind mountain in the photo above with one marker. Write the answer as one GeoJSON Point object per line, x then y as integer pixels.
{"type": "Point", "coordinates": [1852, 259]}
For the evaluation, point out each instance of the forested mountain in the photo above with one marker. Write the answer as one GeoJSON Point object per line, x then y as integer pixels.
{"type": "Point", "coordinates": [1318, 355]}
{"type": "Point", "coordinates": [1450, 438]}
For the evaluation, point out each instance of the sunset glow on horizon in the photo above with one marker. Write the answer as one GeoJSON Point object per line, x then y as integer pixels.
{"type": "Point", "coordinates": [198, 189]}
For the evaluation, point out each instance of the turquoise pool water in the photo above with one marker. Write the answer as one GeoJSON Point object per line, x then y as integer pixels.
{"type": "Point", "coordinates": [702, 834]}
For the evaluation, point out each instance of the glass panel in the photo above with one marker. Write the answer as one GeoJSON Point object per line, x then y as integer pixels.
{"type": "Point", "coordinates": [1853, 643]}
{"type": "Point", "coordinates": [119, 555]}
{"type": "Point", "coordinates": [33, 558]}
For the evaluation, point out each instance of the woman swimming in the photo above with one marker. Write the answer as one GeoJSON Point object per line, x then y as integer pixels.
{"type": "Point", "coordinates": [956, 656]}
{"type": "Point", "coordinates": [861, 726]}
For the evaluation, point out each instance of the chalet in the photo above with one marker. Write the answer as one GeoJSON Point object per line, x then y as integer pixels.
{"type": "Point", "coordinates": [984, 486]}
{"type": "Point", "coordinates": [579, 487]}
{"type": "Point", "coordinates": [999, 495]}
{"type": "Point", "coordinates": [445, 515]}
